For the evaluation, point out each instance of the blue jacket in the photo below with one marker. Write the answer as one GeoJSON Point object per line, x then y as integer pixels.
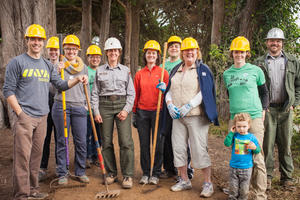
{"type": "Point", "coordinates": [207, 87]}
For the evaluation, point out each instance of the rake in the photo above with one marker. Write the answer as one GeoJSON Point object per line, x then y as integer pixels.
{"type": "Point", "coordinates": [107, 193]}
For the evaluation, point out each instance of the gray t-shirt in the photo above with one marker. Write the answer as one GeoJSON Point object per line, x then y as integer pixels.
{"type": "Point", "coordinates": [74, 96]}
{"type": "Point", "coordinates": [29, 80]}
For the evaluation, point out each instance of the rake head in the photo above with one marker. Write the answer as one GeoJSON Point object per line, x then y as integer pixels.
{"type": "Point", "coordinates": [107, 194]}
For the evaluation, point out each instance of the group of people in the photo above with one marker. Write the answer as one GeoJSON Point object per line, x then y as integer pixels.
{"type": "Point", "coordinates": [261, 98]}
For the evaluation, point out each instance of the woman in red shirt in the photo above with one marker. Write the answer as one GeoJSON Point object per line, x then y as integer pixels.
{"type": "Point", "coordinates": [144, 109]}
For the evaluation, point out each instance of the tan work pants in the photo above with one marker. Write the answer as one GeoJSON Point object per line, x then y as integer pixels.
{"type": "Point", "coordinates": [29, 135]}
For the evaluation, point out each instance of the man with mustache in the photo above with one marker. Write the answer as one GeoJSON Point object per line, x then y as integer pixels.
{"type": "Point", "coordinates": [282, 72]}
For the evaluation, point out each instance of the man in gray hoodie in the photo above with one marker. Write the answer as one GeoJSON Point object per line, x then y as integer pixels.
{"type": "Point", "coordinates": [26, 88]}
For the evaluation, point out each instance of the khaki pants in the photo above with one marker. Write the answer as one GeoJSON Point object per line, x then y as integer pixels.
{"type": "Point", "coordinates": [259, 174]}
{"type": "Point", "coordinates": [29, 134]}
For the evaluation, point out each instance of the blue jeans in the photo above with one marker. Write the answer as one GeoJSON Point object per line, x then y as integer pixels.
{"type": "Point", "coordinates": [76, 117]}
{"type": "Point", "coordinates": [90, 141]}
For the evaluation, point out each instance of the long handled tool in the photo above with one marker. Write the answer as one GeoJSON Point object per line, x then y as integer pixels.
{"type": "Point", "coordinates": [107, 193]}
{"type": "Point", "coordinates": [157, 115]}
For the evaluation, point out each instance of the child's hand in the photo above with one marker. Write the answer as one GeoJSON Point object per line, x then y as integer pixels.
{"type": "Point", "coordinates": [251, 146]}
{"type": "Point", "coordinates": [232, 129]}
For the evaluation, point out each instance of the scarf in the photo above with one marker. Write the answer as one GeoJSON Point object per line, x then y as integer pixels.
{"type": "Point", "coordinates": [73, 68]}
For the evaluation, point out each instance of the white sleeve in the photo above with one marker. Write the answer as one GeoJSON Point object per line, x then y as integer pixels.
{"type": "Point", "coordinates": [196, 100]}
{"type": "Point", "coordinates": [168, 96]}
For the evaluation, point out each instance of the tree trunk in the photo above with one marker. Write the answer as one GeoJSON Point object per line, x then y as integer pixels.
{"type": "Point", "coordinates": [128, 31]}
{"type": "Point", "coordinates": [218, 18]}
{"type": "Point", "coordinates": [135, 39]}
{"type": "Point", "coordinates": [86, 28]}
{"type": "Point", "coordinates": [246, 23]}
{"type": "Point", "coordinates": [104, 26]}
{"type": "Point", "coordinates": [18, 16]}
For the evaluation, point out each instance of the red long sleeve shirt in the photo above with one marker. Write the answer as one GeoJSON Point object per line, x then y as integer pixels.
{"type": "Point", "coordinates": [146, 93]}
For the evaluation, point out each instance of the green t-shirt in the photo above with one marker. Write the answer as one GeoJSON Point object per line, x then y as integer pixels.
{"type": "Point", "coordinates": [92, 74]}
{"type": "Point", "coordinates": [242, 86]}
{"type": "Point", "coordinates": [170, 65]}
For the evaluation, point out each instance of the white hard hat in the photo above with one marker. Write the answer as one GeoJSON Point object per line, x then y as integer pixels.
{"type": "Point", "coordinates": [275, 33]}
{"type": "Point", "coordinates": [112, 43]}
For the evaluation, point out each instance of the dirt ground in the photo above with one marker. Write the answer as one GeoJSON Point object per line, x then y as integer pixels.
{"type": "Point", "coordinates": [220, 159]}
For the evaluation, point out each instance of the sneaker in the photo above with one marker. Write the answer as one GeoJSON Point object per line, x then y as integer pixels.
{"type": "Point", "coordinates": [62, 181]}
{"type": "Point", "coordinates": [269, 184]}
{"type": "Point", "coordinates": [42, 174]}
{"type": "Point", "coordinates": [110, 179]}
{"type": "Point", "coordinates": [38, 195]}
{"type": "Point", "coordinates": [207, 190]}
{"type": "Point", "coordinates": [127, 182]}
{"type": "Point", "coordinates": [153, 180]}
{"type": "Point", "coordinates": [83, 179]}
{"type": "Point", "coordinates": [182, 185]}
{"type": "Point", "coordinates": [144, 180]}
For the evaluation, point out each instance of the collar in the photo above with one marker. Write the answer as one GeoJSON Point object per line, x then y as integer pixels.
{"type": "Point", "coordinates": [190, 68]}
{"type": "Point", "coordinates": [107, 66]}
{"type": "Point", "coordinates": [273, 57]}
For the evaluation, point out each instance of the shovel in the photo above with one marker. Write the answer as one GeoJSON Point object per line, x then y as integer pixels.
{"type": "Point", "coordinates": [107, 193]}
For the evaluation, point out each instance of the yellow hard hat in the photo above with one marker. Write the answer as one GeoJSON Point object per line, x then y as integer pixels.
{"type": "Point", "coordinates": [152, 44]}
{"type": "Point", "coordinates": [240, 43]}
{"type": "Point", "coordinates": [53, 42]}
{"type": "Point", "coordinates": [93, 50]}
{"type": "Point", "coordinates": [189, 43]}
{"type": "Point", "coordinates": [174, 38]}
{"type": "Point", "coordinates": [35, 30]}
{"type": "Point", "coordinates": [72, 39]}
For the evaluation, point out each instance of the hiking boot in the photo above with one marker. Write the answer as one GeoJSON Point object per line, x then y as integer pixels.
{"type": "Point", "coordinates": [207, 190]}
{"type": "Point", "coordinates": [287, 183]}
{"type": "Point", "coordinates": [83, 179]}
{"type": "Point", "coordinates": [127, 182]}
{"type": "Point", "coordinates": [182, 185]}
{"type": "Point", "coordinates": [88, 163]}
{"type": "Point", "coordinates": [269, 184]}
{"type": "Point", "coordinates": [167, 174]}
{"type": "Point", "coordinates": [153, 180]}
{"type": "Point", "coordinates": [62, 181]}
{"type": "Point", "coordinates": [42, 174]}
{"type": "Point", "coordinates": [38, 195]}
{"type": "Point", "coordinates": [110, 179]}
{"type": "Point", "coordinates": [144, 180]}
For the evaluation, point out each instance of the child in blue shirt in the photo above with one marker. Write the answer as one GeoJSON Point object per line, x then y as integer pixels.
{"type": "Point", "coordinates": [244, 144]}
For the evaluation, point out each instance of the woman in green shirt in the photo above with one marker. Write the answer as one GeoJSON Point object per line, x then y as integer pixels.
{"type": "Point", "coordinates": [248, 94]}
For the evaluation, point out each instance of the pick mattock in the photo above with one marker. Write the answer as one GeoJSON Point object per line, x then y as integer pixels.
{"type": "Point", "coordinates": [107, 193]}
{"type": "Point", "coordinates": [157, 116]}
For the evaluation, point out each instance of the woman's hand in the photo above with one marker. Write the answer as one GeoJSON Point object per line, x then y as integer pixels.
{"type": "Point", "coordinates": [173, 110]}
{"type": "Point", "coordinates": [98, 119]}
{"type": "Point", "coordinates": [83, 79]}
{"type": "Point", "coordinates": [185, 109]}
{"type": "Point", "coordinates": [161, 86]}
{"type": "Point", "coordinates": [122, 115]}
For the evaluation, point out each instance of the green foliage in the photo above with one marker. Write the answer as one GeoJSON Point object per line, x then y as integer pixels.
{"type": "Point", "coordinates": [220, 131]}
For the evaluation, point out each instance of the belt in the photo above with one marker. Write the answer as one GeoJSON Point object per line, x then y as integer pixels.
{"type": "Point", "coordinates": [113, 97]}
{"type": "Point", "coordinates": [276, 105]}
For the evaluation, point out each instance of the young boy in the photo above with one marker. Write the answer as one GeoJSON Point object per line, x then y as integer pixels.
{"type": "Point", "coordinates": [244, 144]}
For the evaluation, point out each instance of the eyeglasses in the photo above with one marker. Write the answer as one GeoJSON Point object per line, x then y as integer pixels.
{"type": "Point", "coordinates": [95, 57]}
{"type": "Point", "coordinates": [71, 49]}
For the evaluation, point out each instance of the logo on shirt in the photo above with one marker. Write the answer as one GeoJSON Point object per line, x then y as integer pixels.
{"type": "Point", "coordinates": [240, 146]}
{"type": "Point", "coordinates": [42, 74]}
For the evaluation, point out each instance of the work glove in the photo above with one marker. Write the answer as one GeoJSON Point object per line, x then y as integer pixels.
{"type": "Point", "coordinates": [134, 120]}
{"type": "Point", "coordinates": [185, 109]}
{"type": "Point", "coordinates": [174, 112]}
{"type": "Point", "coordinates": [161, 86]}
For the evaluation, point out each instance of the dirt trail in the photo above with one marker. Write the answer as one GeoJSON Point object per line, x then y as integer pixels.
{"type": "Point", "coordinates": [220, 156]}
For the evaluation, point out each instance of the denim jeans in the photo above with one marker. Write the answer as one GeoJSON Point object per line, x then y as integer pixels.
{"type": "Point", "coordinates": [90, 141]}
{"type": "Point", "coordinates": [76, 118]}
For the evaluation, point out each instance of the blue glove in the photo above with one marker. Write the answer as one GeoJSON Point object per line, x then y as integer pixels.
{"type": "Point", "coordinates": [185, 109]}
{"type": "Point", "coordinates": [161, 86]}
{"type": "Point", "coordinates": [174, 112]}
